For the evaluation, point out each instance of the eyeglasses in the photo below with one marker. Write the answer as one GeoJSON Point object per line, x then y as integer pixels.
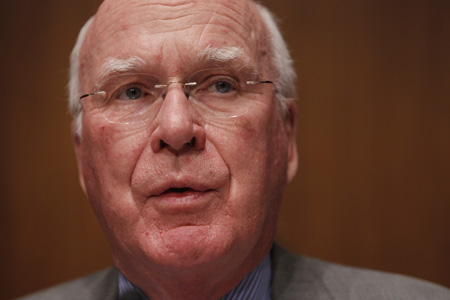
{"type": "Point", "coordinates": [214, 93]}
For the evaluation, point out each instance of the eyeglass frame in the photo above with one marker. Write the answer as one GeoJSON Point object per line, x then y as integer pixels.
{"type": "Point", "coordinates": [164, 86]}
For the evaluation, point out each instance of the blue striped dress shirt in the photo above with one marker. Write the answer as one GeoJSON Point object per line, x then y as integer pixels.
{"type": "Point", "coordinates": [256, 286]}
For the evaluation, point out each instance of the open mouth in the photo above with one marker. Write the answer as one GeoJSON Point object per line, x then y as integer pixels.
{"type": "Point", "coordinates": [178, 190]}
{"type": "Point", "coordinates": [180, 200]}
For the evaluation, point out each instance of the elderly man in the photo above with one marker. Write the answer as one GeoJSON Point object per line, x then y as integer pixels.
{"type": "Point", "coordinates": [184, 133]}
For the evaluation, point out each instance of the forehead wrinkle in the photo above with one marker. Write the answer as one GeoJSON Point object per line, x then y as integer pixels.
{"type": "Point", "coordinates": [220, 22]}
{"type": "Point", "coordinates": [148, 16]}
{"type": "Point", "coordinates": [168, 17]}
{"type": "Point", "coordinates": [249, 30]}
{"type": "Point", "coordinates": [106, 29]}
{"type": "Point", "coordinates": [246, 30]}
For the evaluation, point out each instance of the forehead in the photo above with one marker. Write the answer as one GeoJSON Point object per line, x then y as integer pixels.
{"type": "Point", "coordinates": [170, 34]}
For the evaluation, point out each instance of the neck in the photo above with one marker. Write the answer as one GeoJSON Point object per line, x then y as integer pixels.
{"type": "Point", "coordinates": [206, 282]}
{"type": "Point", "coordinates": [190, 285]}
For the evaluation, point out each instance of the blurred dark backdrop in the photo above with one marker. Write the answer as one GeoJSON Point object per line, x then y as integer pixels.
{"type": "Point", "coordinates": [374, 140]}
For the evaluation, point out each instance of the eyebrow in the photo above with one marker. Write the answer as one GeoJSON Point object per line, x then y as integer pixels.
{"type": "Point", "coordinates": [231, 57]}
{"type": "Point", "coordinates": [224, 55]}
{"type": "Point", "coordinates": [115, 65]}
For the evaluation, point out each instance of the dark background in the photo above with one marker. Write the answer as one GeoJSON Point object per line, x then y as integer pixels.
{"type": "Point", "coordinates": [374, 140]}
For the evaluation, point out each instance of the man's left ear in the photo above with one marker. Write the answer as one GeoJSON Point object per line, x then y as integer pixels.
{"type": "Point", "coordinates": [290, 124]}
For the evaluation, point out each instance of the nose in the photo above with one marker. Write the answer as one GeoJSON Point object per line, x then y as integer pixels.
{"type": "Point", "coordinates": [178, 126]}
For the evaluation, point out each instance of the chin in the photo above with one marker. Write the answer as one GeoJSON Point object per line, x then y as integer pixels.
{"type": "Point", "coordinates": [187, 246]}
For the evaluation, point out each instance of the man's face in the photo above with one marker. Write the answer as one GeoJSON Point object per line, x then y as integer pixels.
{"type": "Point", "coordinates": [183, 190]}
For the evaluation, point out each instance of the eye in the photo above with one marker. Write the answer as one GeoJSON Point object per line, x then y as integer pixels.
{"type": "Point", "coordinates": [220, 85]}
{"type": "Point", "coordinates": [131, 93]}
{"type": "Point", "coordinates": [214, 85]}
{"type": "Point", "coordinates": [223, 87]}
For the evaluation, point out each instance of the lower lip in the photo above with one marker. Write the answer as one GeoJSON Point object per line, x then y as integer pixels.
{"type": "Point", "coordinates": [185, 202]}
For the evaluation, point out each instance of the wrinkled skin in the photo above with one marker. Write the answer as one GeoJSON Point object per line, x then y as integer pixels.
{"type": "Point", "coordinates": [200, 243]}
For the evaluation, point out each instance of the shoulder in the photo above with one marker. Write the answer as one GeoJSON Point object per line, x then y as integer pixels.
{"type": "Point", "coordinates": [298, 277]}
{"type": "Point", "coordinates": [99, 285]}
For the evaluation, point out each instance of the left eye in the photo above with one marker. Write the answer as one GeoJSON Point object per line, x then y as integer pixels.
{"type": "Point", "coordinates": [222, 87]}
{"type": "Point", "coordinates": [131, 93]}
{"type": "Point", "coordinates": [221, 84]}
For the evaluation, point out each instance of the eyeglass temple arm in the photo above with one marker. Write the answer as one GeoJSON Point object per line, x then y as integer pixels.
{"type": "Point", "coordinates": [93, 94]}
{"type": "Point", "coordinates": [256, 82]}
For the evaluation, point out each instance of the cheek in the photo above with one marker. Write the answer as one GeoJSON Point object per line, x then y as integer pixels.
{"type": "Point", "coordinates": [109, 156]}
{"type": "Point", "coordinates": [112, 152]}
{"type": "Point", "coordinates": [254, 149]}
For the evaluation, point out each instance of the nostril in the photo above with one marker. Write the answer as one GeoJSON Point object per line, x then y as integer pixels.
{"type": "Point", "coordinates": [192, 142]}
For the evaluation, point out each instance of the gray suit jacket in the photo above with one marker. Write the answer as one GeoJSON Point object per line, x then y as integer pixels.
{"type": "Point", "coordinates": [294, 278]}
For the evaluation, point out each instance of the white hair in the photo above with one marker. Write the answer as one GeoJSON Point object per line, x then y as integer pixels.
{"type": "Point", "coordinates": [281, 60]}
{"type": "Point", "coordinates": [74, 87]}
{"type": "Point", "coordinates": [114, 65]}
{"type": "Point", "coordinates": [220, 54]}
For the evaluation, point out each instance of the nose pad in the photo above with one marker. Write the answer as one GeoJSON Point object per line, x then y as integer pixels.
{"type": "Point", "coordinates": [178, 125]}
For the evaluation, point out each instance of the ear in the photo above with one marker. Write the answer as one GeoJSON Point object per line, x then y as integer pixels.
{"type": "Point", "coordinates": [290, 124]}
{"type": "Point", "coordinates": [76, 140]}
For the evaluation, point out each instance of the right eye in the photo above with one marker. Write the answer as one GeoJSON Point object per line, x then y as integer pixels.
{"type": "Point", "coordinates": [131, 93]}
{"type": "Point", "coordinates": [130, 89]}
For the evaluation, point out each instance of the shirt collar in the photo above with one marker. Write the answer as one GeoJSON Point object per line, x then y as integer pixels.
{"type": "Point", "coordinates": [256, 286]}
